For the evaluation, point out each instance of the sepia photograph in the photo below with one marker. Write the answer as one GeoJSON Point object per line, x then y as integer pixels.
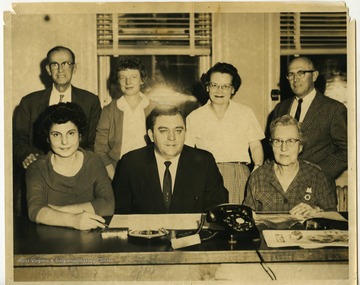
{"type": "Point", "coordinates": [180, 142]}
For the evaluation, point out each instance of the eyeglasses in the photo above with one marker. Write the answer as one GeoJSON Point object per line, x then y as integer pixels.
{"type": "Point", "coordinates": [214, 87]}
{"type": "Point", "coordinates": [290, 143]}
{"type": "Point", "coordinates": [64, 65]}
{"type": "Point", "coordinates": [300, 74]}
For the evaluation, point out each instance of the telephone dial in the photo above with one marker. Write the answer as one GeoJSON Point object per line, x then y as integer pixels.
{"type": "Point", "coordinates": [234, 220]}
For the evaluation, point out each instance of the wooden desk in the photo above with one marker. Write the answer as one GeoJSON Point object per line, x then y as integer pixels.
{"type": "Point", "coordinates": [55, 253]}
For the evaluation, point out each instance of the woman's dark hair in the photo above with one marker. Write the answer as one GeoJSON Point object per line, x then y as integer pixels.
{"type": "Point", "coordinates": [131, 63]}
{"type": "Point", "coordinates": [223, 67]}
{"type": "Point", "coordinates": [60, 114]}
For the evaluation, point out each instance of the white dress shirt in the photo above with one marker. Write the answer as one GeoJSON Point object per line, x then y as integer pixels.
{"type": "Point", "coordinates": [55, 96]}
{"type": "Point", "coordinates": [307, 100]}
{"type": "Point", "coordinates": [172, 168]}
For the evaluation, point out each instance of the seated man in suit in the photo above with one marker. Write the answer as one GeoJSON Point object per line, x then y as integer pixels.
{"type": "Point", "coordinates": [167, 176]}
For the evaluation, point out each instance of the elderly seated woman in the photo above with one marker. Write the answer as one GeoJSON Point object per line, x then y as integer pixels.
{"type": "Point", "coordinates": [69, 186]}
{"type": "Point", "coordinates": [289, 184]}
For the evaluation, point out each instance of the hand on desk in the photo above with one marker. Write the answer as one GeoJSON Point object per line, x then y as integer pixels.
{"type": "Point", "coordinates": [74, 208]}
{"type": "Point", "coordinates": [84, 215]}
{"type": "Point", "coordinates": [76, 216]}
{"type": "Point", "coordinates": [88, 221]}
{"type": "Point", "coordinates": [304, 211]}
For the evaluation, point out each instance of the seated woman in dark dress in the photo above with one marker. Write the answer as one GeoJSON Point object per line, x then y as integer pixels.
{"type": "Point", "coordinates": [289, 184]}
{"type": "Point", "coordinates": [69, 186]}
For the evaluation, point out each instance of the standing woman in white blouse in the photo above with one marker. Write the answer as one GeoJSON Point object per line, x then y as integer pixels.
{"type": "Point", "coordinates": [122, 124]}
{"type": "Point", "coordinates": [227, 129]}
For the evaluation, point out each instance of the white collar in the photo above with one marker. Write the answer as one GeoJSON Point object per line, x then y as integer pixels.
{"type": "Point", "coordinates": [67, 92]}
{"type": "Point", "coordinates": [160, 160]}
{"type": "Point", "coordinates": [122, 104]}
{"type": "Point", "coordinates": [309, 97]}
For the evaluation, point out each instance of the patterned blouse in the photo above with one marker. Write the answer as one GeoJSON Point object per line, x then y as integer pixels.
{"type": "Point", "coordinates": [264, 192]}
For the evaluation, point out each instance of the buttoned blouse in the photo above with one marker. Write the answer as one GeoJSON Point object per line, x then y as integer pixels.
{"type": "Point", "coordinates": [110, 131]}
{"type": "Point", "coordinates": [310, 186]}
{"type": "Point", "coordinates": [227, 138]}
{"type": "Point", "coordinates": [134, 128]}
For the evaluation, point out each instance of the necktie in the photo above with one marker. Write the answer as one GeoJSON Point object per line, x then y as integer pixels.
{"type": "Point", "coordinates": [298, 110]}
{"type": "Point", "coordinates": [61, 98]}
{"type": "Point", "coordinates": [167, 185]}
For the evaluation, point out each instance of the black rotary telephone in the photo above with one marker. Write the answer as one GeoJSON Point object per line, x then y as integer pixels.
{"type": "Point", "coordinates": [235, 220]}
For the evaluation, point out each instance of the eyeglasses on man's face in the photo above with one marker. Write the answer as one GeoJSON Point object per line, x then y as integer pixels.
{"type": "Point", "coordinates": [64, 65]}
{"type": "Point", "coordinates": [214, 86]}
{"type": "Point", "coordinates": [290, 143]}
{"type": "Point", "coordinates": [300, 74]}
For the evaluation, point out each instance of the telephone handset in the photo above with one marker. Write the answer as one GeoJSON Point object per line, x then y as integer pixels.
{"type": "Point", "coordinates": [234, 219]}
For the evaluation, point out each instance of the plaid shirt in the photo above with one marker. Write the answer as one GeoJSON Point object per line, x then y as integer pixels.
{"type": "Point", "coordinates": [310, 186]}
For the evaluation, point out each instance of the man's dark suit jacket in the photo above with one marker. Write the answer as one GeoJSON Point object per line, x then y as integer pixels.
{"type": "Point", "coordinates": [325, 133]}
{"type": "Point", "coordinates": [29, 110]}
{"type": "Point", "coordinates": [198, 183]}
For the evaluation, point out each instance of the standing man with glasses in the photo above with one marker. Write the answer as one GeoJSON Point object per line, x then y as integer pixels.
{"type": "Point", "coordinates": [61, 67]}
{"type": "Point", "coordinates": [227, 129]}
{"type": "Point", "coordinates": [324, 120]}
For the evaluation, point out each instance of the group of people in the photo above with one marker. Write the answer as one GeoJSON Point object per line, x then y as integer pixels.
{"type": "Point", "coordinates": [82, 162]}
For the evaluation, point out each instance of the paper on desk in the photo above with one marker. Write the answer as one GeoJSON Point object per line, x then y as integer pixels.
{"type": "Point", "coordinates": [330, 215]}
{"type": "Point", "coordinates": [273, 217]}
{"type": "Point", "coordinates": [286, 221]}
{"type": "Point", "coordinates": [306, 239]}
{"type": "Point", "coordinates": [276, 221]}
{"type": "Point", "coordinates": [156, 221]}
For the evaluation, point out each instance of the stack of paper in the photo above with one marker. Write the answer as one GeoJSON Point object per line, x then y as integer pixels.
{"type": "Point", "coordinates": [306, 238]}
{"type": "Point", "coordinates": [286, 221]}
{"type": "Point", "coordinates": [156, 221]}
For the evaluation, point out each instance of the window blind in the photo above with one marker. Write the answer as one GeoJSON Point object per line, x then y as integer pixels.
{"type": "Point", "coordinates": [154, 33]}
{"type": "Point", "coordinates": [313, 33]}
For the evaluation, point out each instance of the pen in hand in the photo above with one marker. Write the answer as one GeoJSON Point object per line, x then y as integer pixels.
{"type": "Point", "coordinates": [106, 226]}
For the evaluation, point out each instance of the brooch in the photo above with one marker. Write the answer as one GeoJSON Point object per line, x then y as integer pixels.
{"type": "Point", "coordinates": [307, 196]}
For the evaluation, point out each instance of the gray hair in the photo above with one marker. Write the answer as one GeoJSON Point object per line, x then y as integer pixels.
{"type": "Point", "coordinates": [286, 120]}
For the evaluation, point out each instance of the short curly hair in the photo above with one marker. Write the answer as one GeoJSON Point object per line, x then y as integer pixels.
{"type": "Point", "coordinates": [60, 114]}
{"type": "Point", "coordinates": [223, 67]}
{"type": "Point", "coordinates": [131, 63]}
{"type": "Point", "coordinates": [286, 120]}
